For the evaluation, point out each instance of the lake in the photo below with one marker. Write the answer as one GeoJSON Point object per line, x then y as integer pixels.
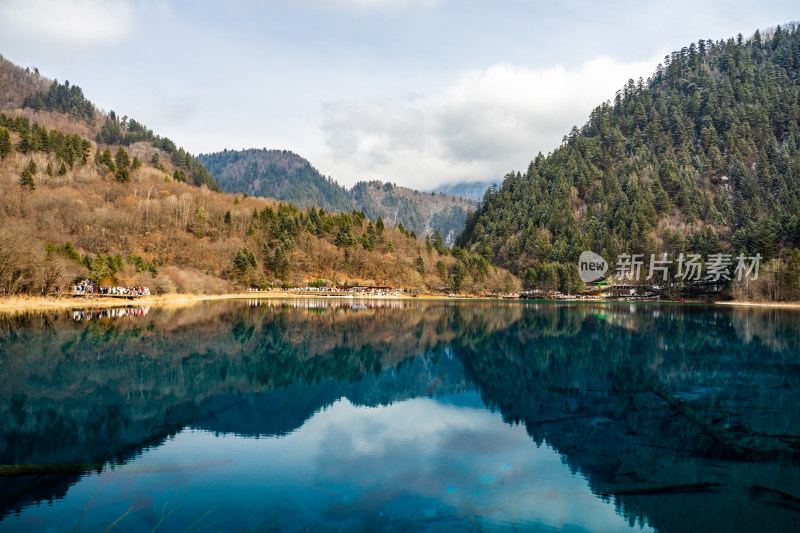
{"type": "Point", "coordinates": [401, 415]}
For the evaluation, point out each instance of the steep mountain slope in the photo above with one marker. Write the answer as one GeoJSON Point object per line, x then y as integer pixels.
{"type": "Point", "coordinates": [703, 157]}
{"type": "Point", "coordinates": [286, 176]}
{"type": "Point", "coordinates": [278, 174]}
{"type": "Point", "coordinates": [421, 212]}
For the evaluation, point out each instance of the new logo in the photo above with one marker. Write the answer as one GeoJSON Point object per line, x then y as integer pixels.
{"type": "Point", "coordinates": [591, 267]}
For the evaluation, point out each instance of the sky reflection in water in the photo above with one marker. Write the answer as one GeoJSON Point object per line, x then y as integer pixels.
{"type": "Point", "coordinates": [443, 464]}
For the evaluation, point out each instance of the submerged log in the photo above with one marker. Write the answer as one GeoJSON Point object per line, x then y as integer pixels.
{"type": "Point", "coordinates": [54, 469]}
{"type": "Point", "coordinates": [668, 489]}
{"type": "Point", "coordinates": [775, 497]}
{"type": "Point", "coordinates": [721, 437]}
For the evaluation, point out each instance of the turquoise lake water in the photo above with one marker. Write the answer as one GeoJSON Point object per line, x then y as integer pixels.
{"type": "Point", "coordinates": [357, 415]}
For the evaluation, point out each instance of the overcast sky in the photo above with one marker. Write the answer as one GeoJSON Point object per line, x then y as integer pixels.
{"type": "Point", "coordinates": [418, 92]}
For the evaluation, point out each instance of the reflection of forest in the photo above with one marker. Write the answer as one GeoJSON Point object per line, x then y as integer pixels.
{"type": "Point", "coordinates": [90, 391]}
{"type": "Point", "coordinates": [688, 415]}
{"type": "Point", "coordinates": [82, 383]}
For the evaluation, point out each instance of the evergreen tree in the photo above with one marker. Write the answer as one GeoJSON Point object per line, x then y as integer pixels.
{"type": "Point", "coordinates": [122, 174]}
{"type": "Point", "coordinates": [420, 264]}
{"type": "Point", "coordinates": [25, 143]}
{"type": "Point", "coordinates": [460, 278]}
{"type": "Point", "coordinates": [438, 242]}
{"type": "Point", "coordinates": [5, 143]}
{"type": "Point", "coordinates": [106, 159]}
{"type": "Point", "coordinates": [369, 237]}
{"type": "Point", "coordinates": [345, 237]}
{"type": "Point", "coordinates": [243, 265]}
{"type": "Point", "coordinates": [122, 159]}
{"type": "Point", "coordinates": [441, 269]}
{"type": "Point", "coordinates": [26, 176]}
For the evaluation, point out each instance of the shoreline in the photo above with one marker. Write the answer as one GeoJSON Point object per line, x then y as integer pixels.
{"type": "Point", "coordinates": [49, 303]}
{"type": "Point", "coordinates": [46, 303]}
{"type": "Point", "coordinates": [776, 305]}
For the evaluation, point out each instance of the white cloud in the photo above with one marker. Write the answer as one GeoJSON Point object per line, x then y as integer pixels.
{"type": "Point", "coordinates": [485, 124]}
{"type": "Point", "coordinates": [58, 26]}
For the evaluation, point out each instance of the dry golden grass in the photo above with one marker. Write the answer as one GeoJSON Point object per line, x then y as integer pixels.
{"type": "Point", "coordinates": [181, 227]}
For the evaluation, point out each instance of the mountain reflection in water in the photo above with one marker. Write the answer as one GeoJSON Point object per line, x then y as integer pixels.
{"type": "Point", "coordinates": [357, 415]}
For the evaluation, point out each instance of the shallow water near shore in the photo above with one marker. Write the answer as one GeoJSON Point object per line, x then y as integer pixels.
{"type": "Point", "coordinates": [401, 415]}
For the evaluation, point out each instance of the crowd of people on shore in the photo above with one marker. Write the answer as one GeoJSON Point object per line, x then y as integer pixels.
{"type": "Point", "coordinates": [343, 290]}
{"type": "Point", "coordinates": [87, 286]}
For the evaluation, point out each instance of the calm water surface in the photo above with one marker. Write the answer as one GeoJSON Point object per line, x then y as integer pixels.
{"type": "Point", "coordinates": [334, 415]}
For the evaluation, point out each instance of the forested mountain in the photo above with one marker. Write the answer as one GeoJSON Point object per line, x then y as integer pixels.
{"type": "Point", "coordinates": [103, 197]}
{"type": "Point", "coordinates": [278, 174]}
{"type": "Point", "coordinates": [473, 189]}
{"type": "Point", "coordinates": [702, 157]}
{"type": "Point", "coordinates": [286, 176]}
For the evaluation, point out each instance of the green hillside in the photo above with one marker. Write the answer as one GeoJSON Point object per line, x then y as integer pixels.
{"type": "Point", "coordinates": [278, 174]}
{"type": "Point", "coordinates": [702, 157]}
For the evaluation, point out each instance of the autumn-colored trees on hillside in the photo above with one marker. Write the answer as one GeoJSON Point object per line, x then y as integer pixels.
{"type": "Point", "coordinates": [154, 231]}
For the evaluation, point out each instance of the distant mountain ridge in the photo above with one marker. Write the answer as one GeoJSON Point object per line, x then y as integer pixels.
{"type": "Point", "coordinates": [422, 212]}
{"type": "Point", "coordinates": [473, 189]}
{"type": "Point", "coordinates": [288, 177]}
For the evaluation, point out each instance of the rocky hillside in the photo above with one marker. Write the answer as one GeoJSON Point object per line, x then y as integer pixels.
{"type": "Point", "coordinates": [424, 213]}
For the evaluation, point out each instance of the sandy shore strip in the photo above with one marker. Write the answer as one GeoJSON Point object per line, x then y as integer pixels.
{"type": "Point", "coordinates": [42, 303]}
{"type": "Point", "coordinates": [13, 304]}
{"type": "Point", "coordinates": [776, 305]}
